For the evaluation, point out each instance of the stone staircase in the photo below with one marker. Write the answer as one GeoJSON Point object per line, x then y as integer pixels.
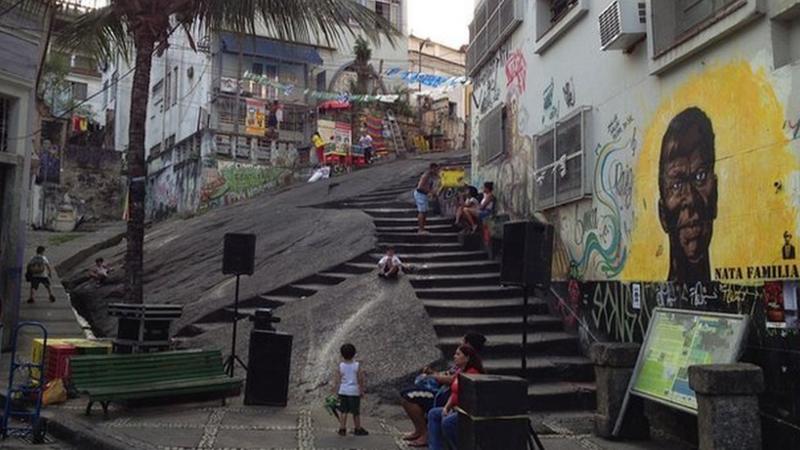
{"type": "Point", "coordinates": [303, 288]}
{"type": "Point", "coordinates": [460, 289]}
{"type": "Point", "coordinates": [461, 292]}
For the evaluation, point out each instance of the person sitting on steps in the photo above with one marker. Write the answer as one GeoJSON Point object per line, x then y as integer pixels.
{"type": "Point", "coordinates": [468, 202]}
{"type": "Point", "coordinates": [99, 272]}
{"type": "Point", "coordinates": [484, 210]}
{"type": "Point", "coordinates": [390, 266]}
{"type": "Point", "coordinates": [431, 389]}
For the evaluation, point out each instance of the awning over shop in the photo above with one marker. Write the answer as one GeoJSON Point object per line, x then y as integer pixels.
{"type": "Point", "coordinates": [334, 104]}
{"type": "Point", "coordinates": [268, 48]}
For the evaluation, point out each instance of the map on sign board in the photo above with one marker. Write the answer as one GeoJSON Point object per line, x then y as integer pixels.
{"type": "Point", "coordinates": [677, 339]}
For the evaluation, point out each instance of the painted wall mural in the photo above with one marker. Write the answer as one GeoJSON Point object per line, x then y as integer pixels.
{"type": "Point", "coordinates": [710, 178]}
{"type": "Point", "coordinates": [227, 182]}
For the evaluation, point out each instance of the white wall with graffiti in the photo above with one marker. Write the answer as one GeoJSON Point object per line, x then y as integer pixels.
{"type": "Point", "coordinates": [737, 74]}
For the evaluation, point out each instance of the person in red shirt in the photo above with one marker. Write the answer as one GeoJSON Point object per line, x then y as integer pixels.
{"type": "Point", "coordinates": [443, 422]}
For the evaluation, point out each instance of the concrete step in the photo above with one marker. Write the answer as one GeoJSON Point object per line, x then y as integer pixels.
{"type": "Point", "coordinates": [262, 301]}
{"type": "Point", "coordinates": [322, 279]}
{"type": "Point", "coordinates": [458, 268]}
{"type": "Point", "coordinates": [490, 291]}
{"type": "Point", "coordinates": [444, 281]}
{"type": "Point", "coordinates": [354, 268]}
{"type": "Point", "coordinates": [540, 343]}
{"type": "Point", "coordinates": [414, 238]}
{"type": "Point", "coordinates": [482, 307]}
{"type": "Point", "coordinates": [561, 396]}
{"type": "Point", "coordinates": [396, 190]}
{"type": "Point", "coordinates": [311, 287]}
{"type": "Point", "coordinates": [338, 275]}
{"type": "Point", "coordinates": [378, 203]}
{"type": "Point", "coordinates": [392, 212]}
{"type": "Point", "coordinates": [412, 229]}
{"type": "Point", "coordinates": [453, 256]}
{"type": "Point", "coordinates": [291, 291]}
{"type": "Point", "coordinates": [406, 248]}
{"type": "Point", "coordinates": [459, 326]}
{"type": "Point", "coordinates": [410, 221]}
{"type": "Point", "coordinates": [543, 369]}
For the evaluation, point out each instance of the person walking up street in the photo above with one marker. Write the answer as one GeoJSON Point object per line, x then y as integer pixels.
{"type": "Point", "coordinates": [366, 143]}
{"type": "Point", "coordinates": [38, 271]}
{"type": "Point", "coordinates": [422, 192]}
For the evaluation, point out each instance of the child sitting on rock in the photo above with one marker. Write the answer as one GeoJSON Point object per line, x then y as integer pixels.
{"type": "Point", "coordinates": [390, 265]}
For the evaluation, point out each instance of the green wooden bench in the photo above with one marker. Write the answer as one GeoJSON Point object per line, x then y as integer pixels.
{"type": "Point", "coordinates": [107, 378]}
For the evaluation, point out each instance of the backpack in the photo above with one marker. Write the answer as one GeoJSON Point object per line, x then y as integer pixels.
{"type": "Point", "coordinates": [36, 267]}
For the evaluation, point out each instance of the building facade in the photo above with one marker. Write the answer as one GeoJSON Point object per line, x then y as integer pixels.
{"type": "Point", "coordinates": [448, 109]}
{"type": "Point", "coordinates": [207, 142]}
{"type": "Point", "coordinates": [21, 50]}
{"type": "Point", "coordinates": [660, 139]}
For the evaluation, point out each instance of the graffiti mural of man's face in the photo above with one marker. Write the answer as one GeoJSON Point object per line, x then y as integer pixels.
{"type": "Point", "coordinates": [688, 193]}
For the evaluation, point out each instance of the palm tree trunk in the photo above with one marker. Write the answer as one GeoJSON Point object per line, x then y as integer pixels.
{"type": "Point", "coordinates": [137, 169]}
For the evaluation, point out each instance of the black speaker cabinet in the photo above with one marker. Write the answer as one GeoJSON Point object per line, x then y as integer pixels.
{"type": "Point", "coordinates": [527, 254]}
{"type": "Point", "coordinates": [492, 434]}
{"type": "Point", "coordinates": [268, 367]}
{"type": "Point", "coordinates": [493, 395]}
{"type": "Point", "coordinates": [239, 254]}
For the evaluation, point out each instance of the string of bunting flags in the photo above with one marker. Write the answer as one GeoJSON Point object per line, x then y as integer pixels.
{"type": "Point", "coordinates": [426, 79]}
{"type": "Point", "coordinates": [289, 89]}
{"type": "Point", "coordinates": [438, 82]}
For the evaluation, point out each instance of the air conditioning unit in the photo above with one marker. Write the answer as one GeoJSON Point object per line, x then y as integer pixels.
{"type": "Point", "coordinates": [622, 24]}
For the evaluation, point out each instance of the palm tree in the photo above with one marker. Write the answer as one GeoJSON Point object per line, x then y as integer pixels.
{"type": "Point", "coordinates": [148, 24]}
{"type": "Point", "coordinates": [361, 66]}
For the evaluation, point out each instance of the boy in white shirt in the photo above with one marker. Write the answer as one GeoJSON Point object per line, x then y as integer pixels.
{"type": "Point", "coordinates": [350, 384]}
{"type": "Point", "coordinates": [390, 265]}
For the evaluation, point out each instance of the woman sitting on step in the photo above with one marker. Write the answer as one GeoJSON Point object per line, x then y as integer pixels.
{"type": "Point", "coordinates": [431, 389]}
{"type": "Point", "coordinates": [469, 202]}
{"type": "Point", "coordinates": [484, 210]}
{"type": "Point", "coordinates": [443, 422]}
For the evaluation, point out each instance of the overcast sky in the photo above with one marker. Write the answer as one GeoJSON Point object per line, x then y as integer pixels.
{"type": "Point", "coordinates": [444, 21]}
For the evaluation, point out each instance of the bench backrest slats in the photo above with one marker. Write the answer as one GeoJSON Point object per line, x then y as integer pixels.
{"type": "Point", "coordinates": [114, 370]}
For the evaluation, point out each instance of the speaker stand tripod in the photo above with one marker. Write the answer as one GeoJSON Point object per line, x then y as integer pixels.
{"type": "Point", "coordinates": [232, 359]}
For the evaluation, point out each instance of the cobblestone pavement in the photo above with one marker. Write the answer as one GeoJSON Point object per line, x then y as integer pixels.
{"type": "Point", "coordinates": [210, 426]}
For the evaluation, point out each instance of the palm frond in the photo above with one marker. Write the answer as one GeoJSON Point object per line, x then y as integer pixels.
{"type": "Point", "coordinates": [313, 21]}
{"type": "Point", "coordinates": [101, 32]}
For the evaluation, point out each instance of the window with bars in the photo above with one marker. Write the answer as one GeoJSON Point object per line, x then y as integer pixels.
{"type": "Point", "coordinates": [560, 158]}
{"type": "Point", "coordinates": [5, 122]}
{"type": "Point", "coordinates": [494, 21]}
{"type": "Point", "coordinates": [492, 138]}
{"type": "Point", "coordinates": [79, 91]}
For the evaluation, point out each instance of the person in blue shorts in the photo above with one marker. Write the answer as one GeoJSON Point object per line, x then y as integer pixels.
{"type": "Point", "coordinates": [424, 189]}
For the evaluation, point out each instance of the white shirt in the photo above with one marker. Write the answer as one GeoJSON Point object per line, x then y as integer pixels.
{"type": "Point", "coordinates": [349, 373]}
{"type": "Point", "coordinates": [385, 260]}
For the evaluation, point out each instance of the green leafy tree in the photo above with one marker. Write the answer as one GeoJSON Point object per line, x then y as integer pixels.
{"type": "Point", "coordinates": [143, 27]}
{"type": "Point", "coordinates": [56, 90]}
